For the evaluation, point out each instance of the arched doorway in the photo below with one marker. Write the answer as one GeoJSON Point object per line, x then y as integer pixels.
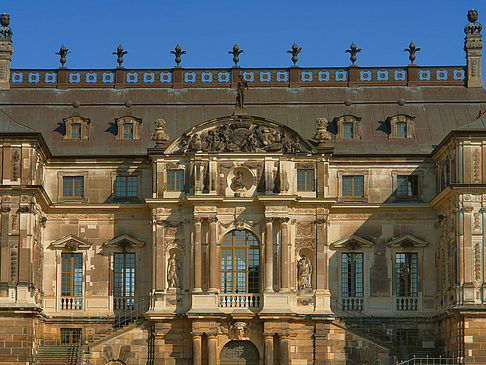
{"type": "Point", "coordinates": [239, 353]}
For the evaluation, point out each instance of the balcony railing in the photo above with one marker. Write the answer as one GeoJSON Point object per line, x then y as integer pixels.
{"type": "Point", "coordinates": [240, 301]}
{"type": "Point", "coordinates": [406, 303]}
{"type": "Point", "coordinates": [71, 303]}
{"type": "Point", "coordinates": [352, 304]}
{"type": "Point", "coordinates": [123, 303]}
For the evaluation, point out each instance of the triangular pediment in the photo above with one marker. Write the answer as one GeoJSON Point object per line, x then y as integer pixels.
{"type": "Point", "coordinates": [124, 241]}
{"type": "Point", "coordinates": [70, 243]}
{"type": "Point", "coordinates": [240, 134]}
{"type": "Point", "coordinates": [407, 241]}
{"type": "Point", "coordinates": [351, 242]}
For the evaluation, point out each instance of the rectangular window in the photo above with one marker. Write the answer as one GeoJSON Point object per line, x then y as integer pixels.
{"type": "Point", "coordinates": [70, 336]}
{"type": "Point", "coordinates": [408, 185]}
{"type": "Point", "coordinates": [71, 274]}
{"type": "Point", "coordinates": [401, 129]}
{"type": "Point", "coordinates": [406, 274]}
{"type": "Point", "coordinates": [352, 274]}
{"type": "Point", "coordinates": [175, 180]}
{"type": "Point", "coordinates": [305, 179]}
{"type": "Point", "coordinates": [124, 275]}
{"type": "Point", "coordinates": [128, 131]}
{"type": "Point", "coordinates": [73, 186]}
{"type": "Point", "coordinates": [126, 186]}
{"type": "Point", "coordinates": [76, 131]}
{"type": "Point", "coordinates": [353, 186]}
{"type": "Point", "coordinates": [348, 131]}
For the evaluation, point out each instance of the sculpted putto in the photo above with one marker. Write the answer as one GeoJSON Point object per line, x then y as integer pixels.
{"type": "Point", "coordinates": [173, 267]}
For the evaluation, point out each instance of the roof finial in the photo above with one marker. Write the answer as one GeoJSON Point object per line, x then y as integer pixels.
{"type": "Point", "coordinates": [236, 53]}
{"type": "Point", "coordinates": [5, 30]}
{"type": "Point", "coordinates": [473, 27]}
{"type": "Point", "coordinates": [353, 51]}
{"type": "Point", "coordinates": [63, 52]}
{"type": "Point", "coordinates": [295, 52]}
{"type": "Point", "coordinates": [120, 53]}
{"type": "Point", "coordinates": [178, 52]}
{"type": "Point", "coordinates": [412, 49]}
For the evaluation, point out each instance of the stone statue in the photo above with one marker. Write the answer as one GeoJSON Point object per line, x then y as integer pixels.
{"type": "Point", "coordinates": [304, 273]}
{"type": "Point", "coordinates": [160, 135]}
{"type": "Point", "coordinates": [240, 96]}
{"type": "Point", "coordinates": [237, 182]}
{"type": "Point", "coordinates": [173, 267]}
{"type": "Point", "coordinates": [5, 30]}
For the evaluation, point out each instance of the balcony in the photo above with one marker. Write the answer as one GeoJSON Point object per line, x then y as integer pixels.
{"type": "Point", "coordinates": [406, 303]}
{"type": "Point", "coordinates": [71, 303]}
{"type": "Point", "coordinates": [352, 304]}
{"type": "Point", "coordinates": [248, 300]}
{"type": "Point", "coordinates": [123, 303]}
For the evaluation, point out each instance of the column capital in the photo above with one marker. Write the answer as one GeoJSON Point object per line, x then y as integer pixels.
{"type": "Point", "coordinates": [268, 219]}
{"type": "Point", "coordinates": [212, 335]}
{"type": "Point", "coordinates": [198, 219]}
{"type": "Point", "coordinates": [196, 334]}
{"type": "Point", "coordinates": [213, 219]}
{"type": "Point", "coordinates": [268, 334]}
{"type": "Point", "coordinates": [320, 221]}
{"type": "Point", "coordinates": [284, 219]}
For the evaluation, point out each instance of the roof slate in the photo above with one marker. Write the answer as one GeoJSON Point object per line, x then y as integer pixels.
{"type": "Point", "coordinates": [437, 111]}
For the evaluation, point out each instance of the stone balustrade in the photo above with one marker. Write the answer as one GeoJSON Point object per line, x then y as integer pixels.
{"type": "Point", "coordinates": [71, 303]}
{"type": "Point", "coordinates": [406, 303]}
{"type": "Point", "coordinates": [240, 300]}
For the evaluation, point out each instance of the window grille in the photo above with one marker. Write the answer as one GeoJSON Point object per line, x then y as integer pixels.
{"type": "Point", "coordinates": [175, 180]}
{"type": "Point", "coordinates": [125, 186]}
{"type": "Point", "coordinates": [406, 274]}
{"type": "Point", "coordinates": [72, 274]}
{"type": "Point", "coordinates": [73, 186]}
{"type": "Point", "coordinates": [305, 179]}
{"type": "Point", "coordinates": [353, 186]}
{"type": "Point", "coordinates": [352, 274]}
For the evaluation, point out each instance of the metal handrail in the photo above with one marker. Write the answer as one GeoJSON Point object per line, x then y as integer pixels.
{"type": "Point", "coordinates": [431, 361]}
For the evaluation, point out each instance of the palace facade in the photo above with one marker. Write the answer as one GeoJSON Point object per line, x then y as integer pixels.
{"type": "Point", "coordinates": [333, 216]}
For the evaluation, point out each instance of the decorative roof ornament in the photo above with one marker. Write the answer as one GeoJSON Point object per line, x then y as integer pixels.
{"type": "Point", "coordinates": [120, 53]}
{"type": "Point", "coordinates": [412, 49]}
{"type": "Point", "coordinates": [178, 52]}
{"type": "Point", "coordinates": [321, 135]}
{"type": "Point", "coordinates": [63, 52]}
{"type": "Point", "coordinates": [5, 30]}
{"type": "Point", "coordinates": [236, 53]}
{"type": "Point", "coordinates": [353, 51]}
{"type": "Point", "coordinates": [473, 27]}
{"type": "Point", "coordinates": [160, 135]}
{"type": "Point", "coordinates": [295, 52]}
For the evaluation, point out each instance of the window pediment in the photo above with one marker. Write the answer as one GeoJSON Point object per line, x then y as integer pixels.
{"type": "Point", "coordinates": [124, 242]}
{"type": "Point", "coordinates": [128, 127]}
{"type": "Point", "coordinates": [351, 242]}
{"type": "Point", "coordinates": [70, 243]}
{"type": "Point", "coordinates": [347, 126]}
{"type": "Point", "coordinates": [407, 241]}
{"type": "Point", "coordinates": [401, 126]}
{"type": "Point", "coordinates": [77, 127]}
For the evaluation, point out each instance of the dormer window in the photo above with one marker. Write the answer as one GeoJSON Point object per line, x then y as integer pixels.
{"type": "Point", "coordinates": [76, 131]}
{"type": "Point", "coordinates": [76, 128]}
{"type": "Point", "coordinates": [128, 127]}
{"type": "Point", "coordinates": [401, 126]}
{"type": "Point", "coordinates": [128, 131]}
{"type": "Point", "coordinates": [347, 127]}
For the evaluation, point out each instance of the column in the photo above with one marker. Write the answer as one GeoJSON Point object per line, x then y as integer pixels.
{"type": "Point", "coordinates": [213, 255]}
{"type": "Point", "coordinates": [197, 255]}
{"type": "Point", "coordinates": [269, 254]}
{"type": "Point", "coordinates": [284, 349]}
{"type": "Point", "coordinates": [212, 358]}
{"type": "Point", "coordinates": [196, 348]}
{"type": "Point", "coordinates": [321, 256]}
{"type": "Point", "coordinates": [268, 348]}
{"type": "Point", "coordinates": [284, 265]}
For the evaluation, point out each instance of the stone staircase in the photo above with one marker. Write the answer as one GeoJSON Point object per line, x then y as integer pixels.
{"type": "Point", "coordinates": [58, 355]}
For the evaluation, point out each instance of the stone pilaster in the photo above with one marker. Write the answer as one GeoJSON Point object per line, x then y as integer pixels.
{"type": "Point", "coordinates": [284, 348]}
{"type": "Point", "coordinates": [212, 348]}
{"type": "Point", "coordinates": [268, 338]}
{"type": "Point", "coordinates": [196, 348]}
{"type": "Point", "coordinates": [6, 50]}
{"type": "Point", "coordinates": [285, 267]}
{"type": "Point", "coordinates": [269, 254]}
{"type": "Point", "coordinates": [213, 255]}
{"type": "Point", "coordinates": [197, 255]}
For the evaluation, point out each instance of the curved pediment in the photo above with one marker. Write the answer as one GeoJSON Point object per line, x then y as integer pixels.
{"type": "Point", "coordinates": [240, 133]}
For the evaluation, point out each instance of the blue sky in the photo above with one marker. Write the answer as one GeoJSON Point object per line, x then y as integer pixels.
{"type": "Point", "coordinates": [264, 29]}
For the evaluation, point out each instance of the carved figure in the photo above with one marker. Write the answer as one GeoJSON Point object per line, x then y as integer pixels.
{"type": "Point", "coordinates": [160, 135]}
{"type": "Point", "coordinates": [304, 273]}
{"type": "Point", "coordinates": [237, 182]}
{"type": "Point", "coordinates": [5, 30]}
{"type": "Point", "coordinates": [240, 96]}
{"type": "Point", "coordinates": [239, 331]}
{"type": "Point", "coordinates": [173, 267]}
{"type": "Point", "coordinates": [473, 27]}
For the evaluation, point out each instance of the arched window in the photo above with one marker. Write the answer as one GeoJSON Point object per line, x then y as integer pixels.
{"type": "Point", "coordinates": [240, 263]}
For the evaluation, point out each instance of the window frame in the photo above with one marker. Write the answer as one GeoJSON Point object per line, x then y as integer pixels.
{"type": "Point", "coordinates": [76, 131]}
{"type": "Point", "coordinates": [354, 186]}
{"type": "Point", "coordinates": [72, 292]}
{"type": "Point", "coordinates": [168, 187]}
{"type": "Point", "coordinates": [420, 178]}
{"type": "Point", "coordinates": [84, 130]}
{"type": "Point", "coordinates": [408, 290]}
{"type": "Point", "coordinates": [252, 284]}
{"type": "Point", "coordinates": [117, 191]}
{"type": "Point", "coordinates": [352, 172]}
{"type": "Point", "coordinates": [74, 178]}
{"type": "Point", "coordinates": [354, 277]}
{"type": "Point", "coordinates": [306, 179]}
{"type": "Point", "coordinates": [408, 178]}
{"type": "Point", "coordinates": [128, 135]}
{"type": "Point", "coordinates": [60, 181]}
{"type": "Point", "coordinates": [133, 275]}
{"type": "Point", "coordinates": [120, 128]}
